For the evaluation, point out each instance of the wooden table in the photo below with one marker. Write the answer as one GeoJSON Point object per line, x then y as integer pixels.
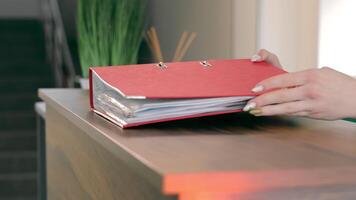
{"type": "Point", "coordinates": [232, 156]}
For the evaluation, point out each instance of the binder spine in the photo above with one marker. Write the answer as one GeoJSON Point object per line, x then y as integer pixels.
{"type": "Point", "coordinates": [91, 100]}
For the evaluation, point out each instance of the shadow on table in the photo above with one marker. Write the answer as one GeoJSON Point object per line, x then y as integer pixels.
{"type": "Point", "coordinates": [221, 124]}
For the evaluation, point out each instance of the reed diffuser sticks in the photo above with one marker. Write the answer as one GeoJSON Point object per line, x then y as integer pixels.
{"type": "Point", "coordinates": [184, 43]}
{"type": "Point", "coordinates": [185, 46]}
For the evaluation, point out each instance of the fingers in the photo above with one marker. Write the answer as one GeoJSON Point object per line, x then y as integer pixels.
{"type": "Point", "coordinates": [279, 96]}
{"type": "Point", "coordinates": [282, 81]}
{"type": "Point", "coordinates": [264, 55]}
{"type": "Point", "coordinates": [300, 107]}
{"type": "Point", "coordinates": [282, 88]}
{"type": "Point", "coordinates": [300, 114]}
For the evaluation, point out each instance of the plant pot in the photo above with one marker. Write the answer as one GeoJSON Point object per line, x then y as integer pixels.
{"type": "Point", "coordinates": [84, 83]}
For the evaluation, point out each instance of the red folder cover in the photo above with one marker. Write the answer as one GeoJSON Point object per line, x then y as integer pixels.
{"type": "Point", "coordinates": [184, 80]}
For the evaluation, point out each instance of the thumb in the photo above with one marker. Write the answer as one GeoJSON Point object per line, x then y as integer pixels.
{"type": "Point", "coordinates": [264, 55]}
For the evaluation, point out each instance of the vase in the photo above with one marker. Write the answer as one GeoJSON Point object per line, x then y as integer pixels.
{"type": "Point", "coordinates": [84, 83]}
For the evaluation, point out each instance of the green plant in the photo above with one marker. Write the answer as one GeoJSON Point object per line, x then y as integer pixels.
{"type": "Point", "coordinates": [110, 32]}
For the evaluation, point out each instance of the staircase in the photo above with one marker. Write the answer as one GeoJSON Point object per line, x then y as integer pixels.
{"type": "Point", "coordinates": [23, 69]}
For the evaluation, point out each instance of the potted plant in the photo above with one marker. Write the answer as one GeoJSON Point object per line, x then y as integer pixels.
{"type": "Point", "coordinates": [110, 33]}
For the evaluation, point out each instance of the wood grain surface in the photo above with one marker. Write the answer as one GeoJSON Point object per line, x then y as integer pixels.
{"type": "Point", "coordinates": [234, 156]}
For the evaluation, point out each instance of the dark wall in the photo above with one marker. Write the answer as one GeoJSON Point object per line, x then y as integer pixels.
{"type": "Point", "coordinates": [69, 12]}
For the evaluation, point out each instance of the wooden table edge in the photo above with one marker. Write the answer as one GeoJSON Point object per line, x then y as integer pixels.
{"type": "Point", "coordinates": [155, 177]}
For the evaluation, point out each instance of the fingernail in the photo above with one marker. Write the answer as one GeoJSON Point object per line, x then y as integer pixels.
{"type": "Point", "coordinates": [256, 112]}
{"type": "Point", "coordinates": [249, 106]}
{"type": "Point", "coordinates": [258, 88]}
{"type": "Point", "coordinates": [256, 58]}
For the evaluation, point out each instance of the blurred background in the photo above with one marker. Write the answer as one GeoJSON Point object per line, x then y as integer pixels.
{"type": "Point", "coordinates": [39, 49]}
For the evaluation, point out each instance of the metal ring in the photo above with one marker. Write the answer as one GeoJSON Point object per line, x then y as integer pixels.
{"type": "Point", "coordinates": [161, 65]}
{"type": "Point", "coordinates": [205, 63]}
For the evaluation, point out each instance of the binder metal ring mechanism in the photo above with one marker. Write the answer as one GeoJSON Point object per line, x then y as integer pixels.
{"type": "Point", "coordinates": [205, 64]}
{"type": "Point", "coordinates": [161, 65]}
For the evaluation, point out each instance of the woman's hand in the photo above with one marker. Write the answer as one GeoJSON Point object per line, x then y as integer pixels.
{"type": "Point", "coordinates": [316, 93]}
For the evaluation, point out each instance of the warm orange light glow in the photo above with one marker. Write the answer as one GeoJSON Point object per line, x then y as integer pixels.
{"type": "Point", "coordinates": [222, 186]}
